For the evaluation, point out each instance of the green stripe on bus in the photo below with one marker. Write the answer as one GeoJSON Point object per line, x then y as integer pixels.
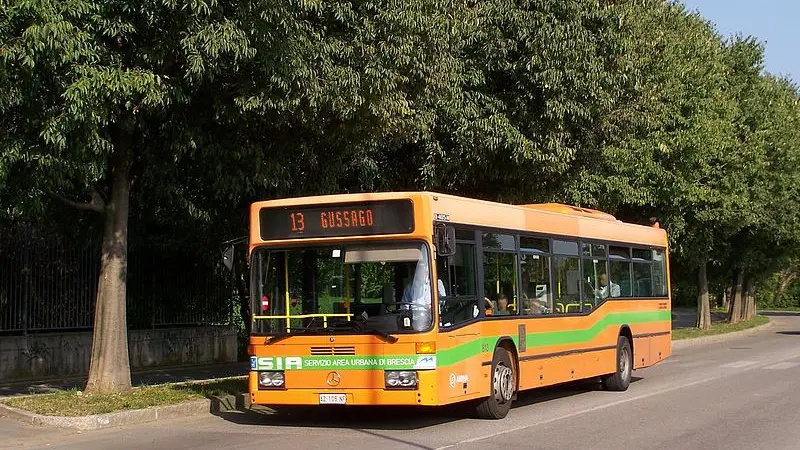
{"type": "Point", "coordinates": [444, 358]}
{"type": "Point", "coordinates": [542, 339]}
{"type": "Point", "coordinates": [387, 362]}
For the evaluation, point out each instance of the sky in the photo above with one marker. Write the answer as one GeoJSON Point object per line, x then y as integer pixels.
{"type": "Point", "coordinates": [772, 22]}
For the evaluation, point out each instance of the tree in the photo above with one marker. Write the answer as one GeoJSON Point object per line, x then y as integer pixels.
{"type": "Point", "coordinates": [93, 91]}
{"type": "Point", "coordinates": [766, 128]}
{"type": "Point", "coordinates": [166, 105]}
{"type": "Point", "coordinates": [671, 138]}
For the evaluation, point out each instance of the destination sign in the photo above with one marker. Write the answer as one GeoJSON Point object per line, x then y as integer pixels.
{"type": "Point", "coordinates": [342, 219]}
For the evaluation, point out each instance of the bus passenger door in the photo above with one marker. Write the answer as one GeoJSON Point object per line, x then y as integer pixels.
{"type": "Point", "coordinates": [459, 362]}
{"type": "Point", "coordinates": [458, 345]}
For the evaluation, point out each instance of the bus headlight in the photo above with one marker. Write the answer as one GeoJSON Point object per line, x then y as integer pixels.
{"type": "Point", "coordinates": [400, 379]}
{"type": "Point", "coordinates": [271, 379]}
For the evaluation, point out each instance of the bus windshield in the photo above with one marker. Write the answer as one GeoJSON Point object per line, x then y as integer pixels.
{"type": "Point", "coordinates": [346, 288]}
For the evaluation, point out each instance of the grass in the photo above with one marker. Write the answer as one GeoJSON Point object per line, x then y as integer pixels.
{"type": "Point", "coordinates": [76, 403]}
{"type": "Point", "coordinates": [718, 328]}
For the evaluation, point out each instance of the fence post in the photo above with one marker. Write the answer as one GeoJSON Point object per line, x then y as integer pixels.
{"type": "Point", "coordinates": [26, 276]}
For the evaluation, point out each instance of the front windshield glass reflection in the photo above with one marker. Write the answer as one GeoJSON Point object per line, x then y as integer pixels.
{"type": "Point", "coordinates": [348, 288]}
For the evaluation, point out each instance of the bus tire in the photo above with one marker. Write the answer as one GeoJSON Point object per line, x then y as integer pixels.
{"type": "Point", "coordinates": [621, 379]}
{"type": "Point", "coordinates": [503, 384]}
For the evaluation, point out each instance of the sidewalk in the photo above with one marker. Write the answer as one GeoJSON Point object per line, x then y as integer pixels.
{"type": "Point", "coordinates": [140, 378]}
{"type": "Point", "coordinates": [684, 317]}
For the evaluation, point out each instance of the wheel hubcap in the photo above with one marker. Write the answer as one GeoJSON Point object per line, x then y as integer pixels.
{"type": "Point", "coordinates": [503, 383]}
{"type": "Point", "coordinates": [625, 364]}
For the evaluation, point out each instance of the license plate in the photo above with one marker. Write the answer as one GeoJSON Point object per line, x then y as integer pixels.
{"type": "Point", "coordinates": [332, 399]}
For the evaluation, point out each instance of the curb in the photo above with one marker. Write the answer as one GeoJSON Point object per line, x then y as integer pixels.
{"type": "Point", "coordinates": [173, 383]}
{"type": "Point", "coordinates": [713, 339]}
{"type": "Point", "coordinates": [214, 405]}
{"type": "Point", "coordinates": [154, 371]}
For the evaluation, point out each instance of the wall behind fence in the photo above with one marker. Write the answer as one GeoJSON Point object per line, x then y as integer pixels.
{"type": "Point", "coordinates": [63, 355]}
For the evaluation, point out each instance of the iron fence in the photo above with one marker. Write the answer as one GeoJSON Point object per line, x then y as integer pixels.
{"type": "Point", "coordinates": [48, 282]}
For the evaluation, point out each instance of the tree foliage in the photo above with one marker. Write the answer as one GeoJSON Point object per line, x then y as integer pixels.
{"type": "Point", "coordinates": [199, 107]}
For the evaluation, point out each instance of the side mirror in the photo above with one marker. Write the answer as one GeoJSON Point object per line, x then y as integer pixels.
{"type": "Point", "coordinates": [228, 248]}
{"type": "Point", "coordinates": [445, 239]}
{"type": "Point", "coordinates": [227, 257]}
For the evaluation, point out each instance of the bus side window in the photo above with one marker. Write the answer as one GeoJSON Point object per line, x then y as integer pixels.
{"type": "Point", "coordinates": [566, 284]}
{"type": "Point", "coordinates": [536, 292]}
{"type": "Point", "coordinates": [642, 272]}
{"type": "Point", "coordinates": [659, 274]}
{"type": "Point", "coordinates": [500, 282]}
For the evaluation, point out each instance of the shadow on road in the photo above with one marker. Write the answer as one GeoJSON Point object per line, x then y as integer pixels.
{"type": "Point", "coordinates": [350, 417]}
{"type": "Point", "coordinates": [788, 333]}
{"type": "Point", "coordinates": [370, 419]}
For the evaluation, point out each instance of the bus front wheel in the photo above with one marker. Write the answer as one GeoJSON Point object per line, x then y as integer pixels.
{"type": "Point", "coordinates": [503, 385]}
{"type": "Point", "coordinates": [621, 379]}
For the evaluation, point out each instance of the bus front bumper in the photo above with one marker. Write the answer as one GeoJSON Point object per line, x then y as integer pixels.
{"type": "Point", "coordinates": [425, 394]}
{"type": "Point", "coordinates": [334, 397]}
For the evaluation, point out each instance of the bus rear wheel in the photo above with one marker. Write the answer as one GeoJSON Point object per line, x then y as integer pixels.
{"type": "Point", "coordinates": [503, 385]}
{"type": "Point", "coordinates": [621, 379]}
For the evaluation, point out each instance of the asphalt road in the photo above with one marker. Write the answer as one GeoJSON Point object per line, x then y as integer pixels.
{"type": "Point", "coordinates": [739, 394]}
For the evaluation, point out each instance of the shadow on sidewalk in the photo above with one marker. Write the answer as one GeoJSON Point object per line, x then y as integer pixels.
{"type": "Point", "coordinates": [140, 378]}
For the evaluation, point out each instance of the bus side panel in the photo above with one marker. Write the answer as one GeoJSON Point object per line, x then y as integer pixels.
{"type": "Point", "coordinates": [560, 369]}
{"type": "Point", "coordinates": [651, 339]}
{"type": "Point", "coordinates": [660, 348]}
{"type": "Point", "coordinates": [651, 350]}
{"type": "Point", "coordinates": [641, 352]}
{"type": "Point", "coordinates": [546, 365]}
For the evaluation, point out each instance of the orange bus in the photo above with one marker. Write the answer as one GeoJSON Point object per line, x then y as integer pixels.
{"type": "Point", "coordinates": [429, 299]}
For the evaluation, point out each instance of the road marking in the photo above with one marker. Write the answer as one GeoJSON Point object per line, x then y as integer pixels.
{"type": "Point", "coordinates": [609, 405]}
{"type": "Point", "coordinates": [693, 364]}
{"type": "Point", "coordinates": [584, 411]}
{"type": "Point", "coordinates": [782, 366]}
{"type": "Point", "coordinates": [738, 364]}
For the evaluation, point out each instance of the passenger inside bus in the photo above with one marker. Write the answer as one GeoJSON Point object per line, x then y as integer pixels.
{"type": "Point", "coordinates": [605, 289]}
{"type": "Point", "coordinates": [489, 306]}
{"type": "Point", "coordinates": [535, 296]}
{"type": "Point", "coordinates": [502, 306]}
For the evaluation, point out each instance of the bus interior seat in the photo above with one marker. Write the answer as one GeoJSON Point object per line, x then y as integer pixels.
{"type": "Point", "coordinates": [388, 294]}
{"type": "Point", "coordinates": [624, 288]}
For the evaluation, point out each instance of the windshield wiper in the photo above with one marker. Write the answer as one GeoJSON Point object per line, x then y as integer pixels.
{"type": "Point", "coordinates": [359, 323]}
{"type": "Point", "coordinates": [283, 335]}
{"type": "Point", "coordinates": [386, 336]}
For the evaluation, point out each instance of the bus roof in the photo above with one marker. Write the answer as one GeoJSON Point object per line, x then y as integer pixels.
{"type": "Point", "coordinates": [546, 218]}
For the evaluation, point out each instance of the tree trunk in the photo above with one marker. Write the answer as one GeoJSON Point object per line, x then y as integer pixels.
{"type": "Point", "coordinates": [703, 308]}
{"type": "Point", "coordinates": [750, 300]}
{"type": "Point", "coordinates": [785, 279]}
{"type": "Point", "coordinates": [726, 298]}
{"type": "Point", "coordinates": [109, 370]}
{"type": "Point", "coordinates": [737, 299]}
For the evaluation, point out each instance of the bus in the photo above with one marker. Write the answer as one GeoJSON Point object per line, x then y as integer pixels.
{"type": "Point", "coordinates": [421, 298]}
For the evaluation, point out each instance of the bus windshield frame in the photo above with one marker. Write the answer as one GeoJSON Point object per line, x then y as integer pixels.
{"type": "Point", "coordinates": [379, 287]}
